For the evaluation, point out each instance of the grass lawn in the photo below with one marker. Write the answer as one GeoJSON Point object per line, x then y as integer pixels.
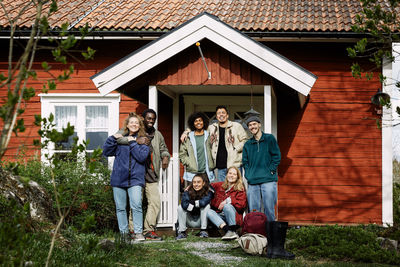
{"type": "Point", "coordinates": [74, 249]}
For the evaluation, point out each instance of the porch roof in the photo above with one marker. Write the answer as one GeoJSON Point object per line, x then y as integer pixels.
{"type": "Point", "coordinates": [204, 26]}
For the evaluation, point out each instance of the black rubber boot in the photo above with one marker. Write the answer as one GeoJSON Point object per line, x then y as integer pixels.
{"type": "Point", "coordinates": [278, 242]}
{"type": "Point", "coordinates": [268, 228]}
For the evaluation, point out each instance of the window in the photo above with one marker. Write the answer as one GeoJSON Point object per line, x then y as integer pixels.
{"type": "Point", "coordinates": [93, 116]}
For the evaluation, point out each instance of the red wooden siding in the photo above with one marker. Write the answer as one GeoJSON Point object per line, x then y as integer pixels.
{"type": "Point", "coordinates": [107, 53]}
{"type": "Point", "coordinates": [331, 149]}
{"type": "Point", "coordinates": [331, 165]}
{"type": "Point", "coordinates": [187, 68]}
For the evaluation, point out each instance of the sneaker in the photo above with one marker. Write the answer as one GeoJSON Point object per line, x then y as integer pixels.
{"type": "Point", "coordinates": [139, 237]}
{"type": "Point", "coordinates": [152, 236]}
{"type": "Point", "coordinates": [203, 234]}
{"type": "Point", "coordinates": [230, 235]}
{"type": "Point", "coordinates": [181, 235]}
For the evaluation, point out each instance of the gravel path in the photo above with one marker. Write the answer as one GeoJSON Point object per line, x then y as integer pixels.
{"type": "Point", "coordinates": [214, 251]}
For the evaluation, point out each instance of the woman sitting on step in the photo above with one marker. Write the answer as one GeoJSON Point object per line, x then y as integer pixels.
{"type": "Point", "coordinates": [195, 203]}
{"type": "Point", "coordinates": [228, 204]}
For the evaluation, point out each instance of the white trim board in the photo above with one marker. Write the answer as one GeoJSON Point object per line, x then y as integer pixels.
{"type": "Point", "coordinates": [391, 71]}
{"type": "Point", "coordinates": [204, 26]}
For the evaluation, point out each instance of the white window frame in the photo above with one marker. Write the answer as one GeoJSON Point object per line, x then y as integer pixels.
{"type": "Point", "coordinates": [81, 100]}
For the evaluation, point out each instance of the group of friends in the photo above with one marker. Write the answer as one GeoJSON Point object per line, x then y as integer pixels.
{"type": "Point", "coordinates": [214, 157]}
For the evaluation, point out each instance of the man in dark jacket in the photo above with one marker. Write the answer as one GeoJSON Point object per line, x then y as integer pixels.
{"type": "Point", "coordinates": [261, 157]}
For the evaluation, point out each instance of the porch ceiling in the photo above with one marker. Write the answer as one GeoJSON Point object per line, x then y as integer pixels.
{"type": "Point", "coordinates": [173, 90]}
{"type": "Point", "coordinates": [204, 26]}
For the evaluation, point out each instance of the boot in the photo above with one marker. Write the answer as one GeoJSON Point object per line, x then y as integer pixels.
{"type": "Point", "coordinates": [268, 227]}
{"type": "Point", "coordinates": [278, 230]}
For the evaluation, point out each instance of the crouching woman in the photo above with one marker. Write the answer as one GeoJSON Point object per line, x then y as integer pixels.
{"type": "Point", "coordinates": [228, 204]}
{"type": "Point", "coordinates": [195, 204]}
{"type": "Point", "coordinates": [127, 177]}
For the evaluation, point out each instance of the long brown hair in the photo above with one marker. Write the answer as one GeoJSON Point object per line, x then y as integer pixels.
{"type": "Point", "coordinates": [196, 195]}
{"type": "Point", "coordinates": [238, 186]}
{"type": "Point", "coordinates": [141, 131]}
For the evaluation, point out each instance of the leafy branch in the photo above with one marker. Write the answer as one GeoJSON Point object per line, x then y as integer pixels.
{"type": "Point", "coordinates": [381, 24]}
{"type": "Point", "coordinates": [21, 71]}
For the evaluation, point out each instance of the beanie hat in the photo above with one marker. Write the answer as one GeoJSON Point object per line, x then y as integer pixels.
{"type": "Point", "coordinates": [252, 118]}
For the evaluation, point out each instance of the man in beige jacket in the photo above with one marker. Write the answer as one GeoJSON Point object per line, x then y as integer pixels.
{"type": "Point", "coordinates": [227, 139]}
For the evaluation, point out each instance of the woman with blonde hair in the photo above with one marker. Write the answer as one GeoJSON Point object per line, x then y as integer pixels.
{"type": "Point", "coordinates": [127, 177]}
{"type": "Point", "coordinates": [228, 204]}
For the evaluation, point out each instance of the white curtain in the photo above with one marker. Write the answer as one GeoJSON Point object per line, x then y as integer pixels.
{"type": "Point", "coordinates": [96, 118]}
{"type": "Point", "coordinates": [65, 114]}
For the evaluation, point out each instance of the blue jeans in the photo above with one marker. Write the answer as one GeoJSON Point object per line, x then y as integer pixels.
{"type": "Point", "coordinates": [186, 219]}
{"type": "Point", "coordinates": [268, 194]}
{"type": "Point", "coordinates": [227, 215]}
{"type": "Point", "coordinates": [135, 202]}
{"type": "Point", "coordinates": [221, 174]}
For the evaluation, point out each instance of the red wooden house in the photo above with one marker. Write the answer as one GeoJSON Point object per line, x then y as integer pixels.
{"type": "Point", "coordinates": [286, 59]}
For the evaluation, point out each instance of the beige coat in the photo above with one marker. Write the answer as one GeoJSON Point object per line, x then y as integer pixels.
{"type": "Point", "coordinates": [235, 148]}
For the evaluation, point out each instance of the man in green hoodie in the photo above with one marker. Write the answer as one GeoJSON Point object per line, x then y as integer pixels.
{"type": "Point", "coordinates": [261, 157]}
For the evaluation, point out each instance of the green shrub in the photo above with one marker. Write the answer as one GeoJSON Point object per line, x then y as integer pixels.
{"type": "Point", "coordinates": [87, 192]}
{"type": "Point", "coordinates": [394, 231]}
{"type": "Point", "coordinates": [396, 204]}
{"type": "Point", "coordinates": [340, 243]}
{"type": "Point", "coordinates": [82, 187]}
{"type": "Point", "coordinates": [15, 225]}
{"type": "Point", "coordinates": [78, 181]}
{"type": "Point", "coordinates": [396, 171]}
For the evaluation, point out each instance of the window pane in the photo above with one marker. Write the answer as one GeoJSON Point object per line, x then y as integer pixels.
{"type": "Point", "coordinates": [96, 126]}
{"type": "Point", "coordinates": [66, 144]}
{"type": "Point", "coordinates": [96, 139]}
{"type": "Point", "coordinates": [63, 115]}
{"type": "Point", "coordinates": [96, 117]}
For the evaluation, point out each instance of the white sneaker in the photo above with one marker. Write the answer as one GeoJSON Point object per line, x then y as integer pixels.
{"type": "Point", "coordinates": [139, 237]}
{"type": "Point", "coordinates": [230, 235]}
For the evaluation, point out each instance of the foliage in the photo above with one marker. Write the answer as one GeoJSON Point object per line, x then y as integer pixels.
{"type": "Point", "coordinates": [77, 249]}
{"type": "Point", "coordinates": [93, 208]}
{"type": "Point", "coordinates": [394, 232]}
{"type": "Point", "coordinates": [396, 205]}
{"type": "Point", "coordinates": [15, 227]}
{"type": "Point", "coordinates": [357, 244]}
{"type": "Point", "coordinates": [69, 177]}
{"type": "Point", "coordinates": [380, 22]}
{"type": "Point", "coordinates": [21, 70]}
{"type": "Point", "coordinates": [81, 180]}
{"type": "Point", "coordinates": [396, 171]}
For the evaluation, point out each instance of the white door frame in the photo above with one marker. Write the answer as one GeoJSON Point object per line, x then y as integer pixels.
{"type": "Point", "coordinates": [266, 105]}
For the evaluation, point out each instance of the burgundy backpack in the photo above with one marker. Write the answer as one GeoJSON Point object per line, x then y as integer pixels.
{"type": "Point", "coordinates": [255, 223]}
